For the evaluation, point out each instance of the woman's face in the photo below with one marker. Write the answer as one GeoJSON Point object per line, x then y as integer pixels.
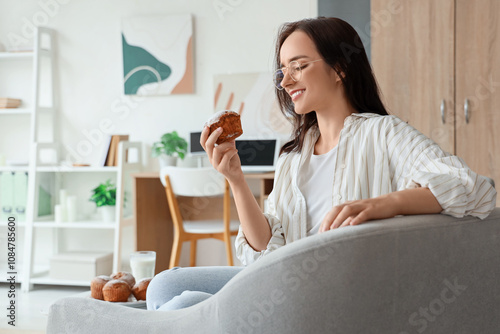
{"type": "Point", "coordinates": [318, 85]}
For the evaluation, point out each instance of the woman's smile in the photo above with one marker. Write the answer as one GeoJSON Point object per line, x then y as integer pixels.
{"type": "Point", "coordinates": [296, 93]}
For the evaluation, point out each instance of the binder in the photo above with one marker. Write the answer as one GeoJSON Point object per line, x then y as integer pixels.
{"type": "Point", "coordinates": [6, 195]}
{"type": "Point", "coordinates": [20, 195]}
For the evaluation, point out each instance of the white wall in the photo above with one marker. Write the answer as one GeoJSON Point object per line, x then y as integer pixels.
{"type": "Point", "coordinates": [230, 36]}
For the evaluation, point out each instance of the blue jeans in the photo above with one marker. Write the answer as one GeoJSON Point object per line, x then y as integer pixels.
{"type": "Point", "coordinates": [182, 287]}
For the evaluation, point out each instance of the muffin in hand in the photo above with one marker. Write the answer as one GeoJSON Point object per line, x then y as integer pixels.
{"type": "Point", "coordinates": [230, 123]}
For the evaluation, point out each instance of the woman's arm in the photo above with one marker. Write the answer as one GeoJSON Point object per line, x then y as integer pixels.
{"type": "Point", "coordinates": [254, 224]}
{"type": "Point", "coordinates": [224, 158]}
{"type": "Point", "coordinates": [417, 161]}
{"type": "Point", "coordinates": [404, 202]}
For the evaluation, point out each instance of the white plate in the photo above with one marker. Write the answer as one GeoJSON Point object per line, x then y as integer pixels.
{"type": "Point", "coordinates": [132, 302]}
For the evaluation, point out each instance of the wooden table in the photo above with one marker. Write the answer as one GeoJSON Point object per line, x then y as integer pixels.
{"type": "Point", "coordinates": [153, 223]}
{"type": "Point", "coordinates": [266, 185]}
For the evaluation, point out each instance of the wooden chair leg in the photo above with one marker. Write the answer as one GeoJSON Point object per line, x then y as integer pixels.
{"type": "Point", "coordinates": [192, 261]}
{"type": "Point", "coordinates": [176, 252]}
{"type": "Point", "coordinates": [229, 249]}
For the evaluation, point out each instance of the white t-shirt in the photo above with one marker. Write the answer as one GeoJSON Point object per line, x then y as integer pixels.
{"type": "Point", "coordinates": [316, 184]}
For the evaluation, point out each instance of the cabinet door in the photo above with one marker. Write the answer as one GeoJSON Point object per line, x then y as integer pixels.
{"type": "Point", "coordinates": [478, 80]}
{"type": "Point", "coordinates": [413, 60]}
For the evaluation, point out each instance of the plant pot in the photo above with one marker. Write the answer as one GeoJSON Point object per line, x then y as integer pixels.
{"type": "Point", "coordinates": [107, 213]}
{"type": "Point", "coordinates": [167, 160]}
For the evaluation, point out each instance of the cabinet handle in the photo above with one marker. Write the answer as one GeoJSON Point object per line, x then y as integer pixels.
{"type": "Point", "coordinates": [443, 107]}
{"type": "Point", "coordinates": [466, 110]}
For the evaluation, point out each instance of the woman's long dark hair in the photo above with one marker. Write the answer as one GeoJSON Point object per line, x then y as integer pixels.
{"type": "Point", "coordinates": [340, 46]}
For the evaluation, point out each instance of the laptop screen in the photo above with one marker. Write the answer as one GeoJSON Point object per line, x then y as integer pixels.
{"type": "Point", "coordinates": [258, 155]}
{"type": "Point", "coordinates": [195, 147]}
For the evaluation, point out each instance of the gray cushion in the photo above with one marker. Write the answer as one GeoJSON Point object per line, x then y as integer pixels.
{"type": "Point", "coordinates": [431, 273]}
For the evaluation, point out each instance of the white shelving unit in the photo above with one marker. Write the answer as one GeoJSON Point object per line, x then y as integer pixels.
{"type": "Point", "coordinates": [16, 111]}
{"type": "Point", "coordinates": [39, 115]}
{"type": "Point", "coordinates": [23, 69]}
{"type": "Point", "coordinates": [36, 274]}
{"type": "Point", "coordinates": [17, 55]}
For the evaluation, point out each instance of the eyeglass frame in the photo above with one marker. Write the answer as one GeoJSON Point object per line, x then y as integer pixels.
{"type": "Point", "coordinates": [287, 68]}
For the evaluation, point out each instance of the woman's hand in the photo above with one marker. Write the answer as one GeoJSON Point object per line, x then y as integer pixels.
{"type": "Point", "coordinates": [404, 202]}
{"type": "Point", "coordinates": [357, 212]}
{"type": "Point", "coordinates": [223, 157]}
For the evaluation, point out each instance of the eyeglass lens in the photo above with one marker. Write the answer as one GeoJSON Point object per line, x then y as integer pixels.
{"type": "Point", "coordinates": [278, 77]}
{"type": "Point", "coordinates": [294, 71]}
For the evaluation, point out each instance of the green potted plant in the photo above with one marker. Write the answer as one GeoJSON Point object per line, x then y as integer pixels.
{"type": "Point", "coordinates": [169, 148]}
{"type": "Point", "coordinates": [104, 196]}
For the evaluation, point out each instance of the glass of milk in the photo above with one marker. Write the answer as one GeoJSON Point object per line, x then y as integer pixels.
{"type": "Point", "coordinates": [142, 264]}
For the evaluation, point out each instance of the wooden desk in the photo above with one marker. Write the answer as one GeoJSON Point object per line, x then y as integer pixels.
{"type": "Point", "coordinates": [153, 223]}
{"type": "Point", "coordinates": [266, 185]}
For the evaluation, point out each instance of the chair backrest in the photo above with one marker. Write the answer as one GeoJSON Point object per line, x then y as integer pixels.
{"type": "Point", "coordinates": [194, 182]}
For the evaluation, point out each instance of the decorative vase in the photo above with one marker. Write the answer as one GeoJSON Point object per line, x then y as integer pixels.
{"type": "Point", "coordinates": [108, 213]}
{"type": "Point", "coordinates": [167, 160]}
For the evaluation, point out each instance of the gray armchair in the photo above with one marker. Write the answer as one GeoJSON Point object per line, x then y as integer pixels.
{"type": "Point", "coordinates": [413, 274]}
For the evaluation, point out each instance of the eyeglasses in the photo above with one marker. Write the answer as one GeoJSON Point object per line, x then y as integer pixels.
{"type": "Point", "coordinates": [294, 70]}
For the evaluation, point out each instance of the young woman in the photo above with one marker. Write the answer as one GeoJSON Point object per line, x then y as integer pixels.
{"type": "Point", "coordinates": [348, 161]}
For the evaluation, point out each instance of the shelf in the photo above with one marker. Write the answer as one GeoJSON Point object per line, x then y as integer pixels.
{"type": "Point", "coordinates": [50, 281]}
{"type": "Point", "coordinates": [94, 224]}
{"type": "Point", "coordinates": [79, 224]}
{"type": "Point", "coordinates": [17, 55]}
{"type": "Point", "coordinates": [15, 111]}
{"type": "Point", "coordinates": [19, 271]}
{"type": "Point", "coordinates": [42, 277]}
{"type": "Point", "coordinates": [18, 224]}
{"type": "Point", "coordinates": [14, 168]}
{"type": "Point", "coordinates": [3, 279]}
{"type": "Point", "coordinates": [62, 168]}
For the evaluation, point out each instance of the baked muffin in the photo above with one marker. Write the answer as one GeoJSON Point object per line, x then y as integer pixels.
{"type": "Point", "coordinates": [140, 288]}
{"type": "Point", "coordinates": [116, 291]}
{"type": "Point", "coordinates": [124, 276]}
{"type": "Point", "coordinates": [230, 123]}
{"type": "Point", "coordinates": [96, 286]}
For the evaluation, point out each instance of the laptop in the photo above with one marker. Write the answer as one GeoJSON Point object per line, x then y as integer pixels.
{"type": "Point", "coordinates": [258, 155]}
{"type": "Point", "coordinates": [194, 146]}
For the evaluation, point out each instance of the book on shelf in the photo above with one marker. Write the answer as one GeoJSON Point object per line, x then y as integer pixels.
{"type": "Point", "coordinates": [105, 152]}
{"type": "Point", "coordinates": [6, 102]}
{"type": "Point", "coordinates": [111, 152]}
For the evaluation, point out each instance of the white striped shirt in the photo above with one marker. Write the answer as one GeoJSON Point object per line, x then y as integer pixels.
{"type": "Point", "coordinates": [376, 155]}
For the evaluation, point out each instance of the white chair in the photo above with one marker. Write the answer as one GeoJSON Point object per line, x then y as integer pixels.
{"type": "Point", "coordinates": [197, 182]}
